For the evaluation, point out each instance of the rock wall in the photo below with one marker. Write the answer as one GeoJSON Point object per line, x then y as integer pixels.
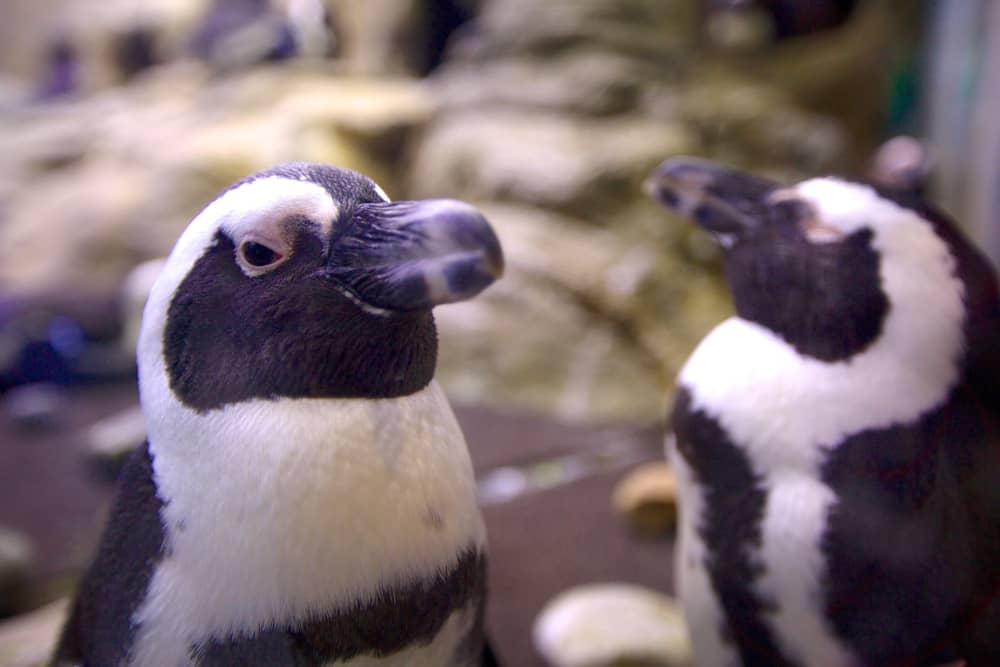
{"type": "Point", "coordinates": [549, 115]}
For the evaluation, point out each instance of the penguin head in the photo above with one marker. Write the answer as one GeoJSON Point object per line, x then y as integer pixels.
{"type": "Point", "coordinates": [823, 263]}
{"type": "Point", "coordinates": [305, 281]}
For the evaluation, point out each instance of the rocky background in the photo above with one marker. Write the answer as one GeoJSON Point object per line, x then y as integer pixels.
{"type": "Point", "coordinates": [119, 120]}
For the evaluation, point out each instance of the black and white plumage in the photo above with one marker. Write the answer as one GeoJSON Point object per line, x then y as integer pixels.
{"type": "Point", "coordinates": [306, 496]}
{"type": "Point", "coordinates": [837, 442]}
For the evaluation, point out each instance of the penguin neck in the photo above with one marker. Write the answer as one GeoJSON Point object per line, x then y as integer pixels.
{"type": "Point", "coordinates": [788, 408]}
{"type": "Point", "coordinates": [282, 509]}
{"type": "Point", "coordinates": [789, 404]}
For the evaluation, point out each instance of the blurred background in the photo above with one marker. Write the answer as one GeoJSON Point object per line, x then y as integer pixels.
{"type": "Point", "coordinates": [121, 119]}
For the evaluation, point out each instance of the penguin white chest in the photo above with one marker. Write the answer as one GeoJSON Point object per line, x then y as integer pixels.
{"type": "Point", "coordinates": [783, 413]}
{"type": "Point", "coordinates": [277, 511]}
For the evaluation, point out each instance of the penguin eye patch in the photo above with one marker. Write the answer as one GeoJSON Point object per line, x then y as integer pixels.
{"type": "Point", "coordinates": [255, 257]}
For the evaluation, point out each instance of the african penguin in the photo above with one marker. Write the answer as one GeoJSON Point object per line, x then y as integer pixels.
{"type": "Point", "coordinates": [305, 496]}
{"type": "Point", "coordinates": [837, 441]}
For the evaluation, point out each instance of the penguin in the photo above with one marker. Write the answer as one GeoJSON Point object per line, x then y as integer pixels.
{"type": "Point", "coordinates": [305, 495]}
{"type": "Point", "coordinates": [837, 441]}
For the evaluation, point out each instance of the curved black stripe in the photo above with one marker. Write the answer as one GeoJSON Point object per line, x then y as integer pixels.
{"type": "Point", "coordinates": [730, 528]}
{"type": "Point", "coordinates": [913, 543]}
{"type": "Point", "coordinates": [100, 629]}
{"type": "Point", "coordinates": [395, 620]}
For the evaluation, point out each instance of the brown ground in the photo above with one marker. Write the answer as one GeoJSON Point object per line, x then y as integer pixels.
{"type": "Point", "coordinates": [540, 543]}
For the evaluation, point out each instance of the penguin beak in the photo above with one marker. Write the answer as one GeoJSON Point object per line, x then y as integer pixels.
{"type": "Point", "coordinates": [726, 202]}
{"type": "Point", "coordinates": [414, 255]}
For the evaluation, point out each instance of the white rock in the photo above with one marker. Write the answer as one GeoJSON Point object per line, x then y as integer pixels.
{"type": "Point", "coordinates": [35, 405]}
{"type": "Point", "coordinates": [28, 640]}
{"type": "Point", "coordinates": [602, 625]}
{"type": "Point", "coordinates": [115, 437]}
{"type": "Point", "coordinates": [16, 557]}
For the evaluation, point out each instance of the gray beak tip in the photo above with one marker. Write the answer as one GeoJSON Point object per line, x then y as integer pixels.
{"type": "Point", "coordinates": [421, 254]}
{"type": "Point", "coordinates": [720, 199]}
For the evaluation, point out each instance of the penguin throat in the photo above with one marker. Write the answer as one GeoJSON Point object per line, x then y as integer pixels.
{"type": "Point", "coordinates": [386, 363]}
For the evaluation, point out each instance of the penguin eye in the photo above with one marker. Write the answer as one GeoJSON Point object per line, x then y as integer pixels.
{"type": "Point", "coordinates": [258, 254]}
{"type": "Point", "coordinates": [255, 257]}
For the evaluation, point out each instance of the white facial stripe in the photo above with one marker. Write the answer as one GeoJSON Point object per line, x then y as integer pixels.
{"type": "Point", "coordinates": [783, 410]}
{"type": "Point", "coordinates": [237, 211]}
{"type": "Point", "coordinates": [381, 193]}
{"type": "Point", "coordinates": [246, 208]}
{"type": "Point", "coordinates": [282, 509]}
{"type": "Point", "coordinates": [243, 208]}
{"type": "Point", "coordinates": [848, 207]}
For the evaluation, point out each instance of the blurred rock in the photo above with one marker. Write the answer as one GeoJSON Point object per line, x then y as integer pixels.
{"type": "Point", "coordinates": [585, 81]}
{"type": "Point", "coordinates": [33, 406]}
{"type": "Point", "coordinates": [612, 625]}
{"type": "Point", "coordinates": [89, 237]}
{"type": "Point", "coordinates": [587, 167]}
{"type": "Point", "coordinates": [61, 73]}
{"type": "Point", "coordinates": [111, 440]}
{"type": "Point", "coordinates": [100, 33]}
{"type": "Point", "coordinates": [644, 28]}
{"type": "Point", "coordinates": [13, 92]}
{"type": "Point", "coordinates": [825, 70]}
{"type": "Point", "coordinates": [740, 28]}
{"type": "Point", "coordinates": [742, 122]}
{"type": "Point", "coordinates": [16, 562]}
{"type": "Point", "coordinates": [548, 114]}
{"type": "Point", "coordinates": [28, 640]}
{"type": "Point", "coordinates": [585, 332]}
{"type": "Point", "coordinates": [379, 37]}
{"type": "Point", "coordinates": [59, 337]}
{"type": "Point", "coordinates": [235, 34]}
{"type": "Point", "coordinates": [647, 499]}
{"type": "Point", "coordinates": [108, 205]}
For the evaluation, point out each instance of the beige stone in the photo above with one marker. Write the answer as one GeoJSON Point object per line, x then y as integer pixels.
{"type": "Point", "coordinates": [585, 323]}
{"type": "Point", "coordinates": [612, 625]}
{"type": "Point", "coordinates": [647, 499]}
{"type": "Point", "coordinates": [583, 166]}
{"type": "Point", "coordinates": [28, 640]}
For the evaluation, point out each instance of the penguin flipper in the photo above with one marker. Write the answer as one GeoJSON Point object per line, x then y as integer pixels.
{"type": "Point", "coordinates": [99, 629]}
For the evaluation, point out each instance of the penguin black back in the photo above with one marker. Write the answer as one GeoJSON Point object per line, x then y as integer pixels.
{"type": "Point", "coordinates": [100, 623]}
